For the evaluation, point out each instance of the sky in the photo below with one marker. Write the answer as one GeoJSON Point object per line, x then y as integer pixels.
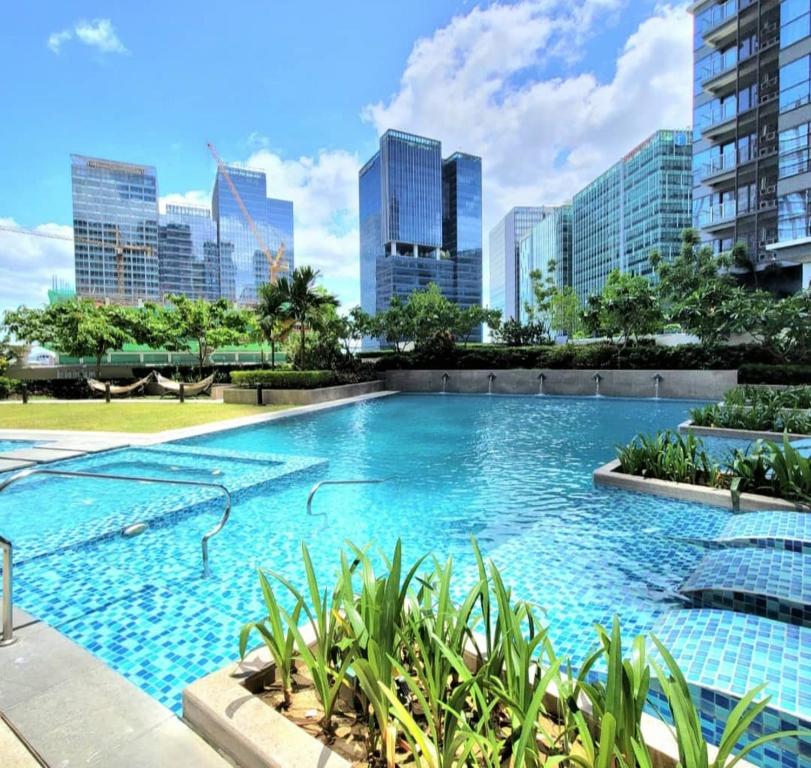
{"type": "Point", "coordinates": [550, 93]}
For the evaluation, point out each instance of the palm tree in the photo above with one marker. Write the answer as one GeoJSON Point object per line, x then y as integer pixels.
{"type": "Point", "coordinates": [272, 312]}
{"type": "Point", "coordinates": [304, 302]}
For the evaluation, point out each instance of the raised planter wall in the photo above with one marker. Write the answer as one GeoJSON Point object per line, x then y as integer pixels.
{"type": "Point", "coordinates": [301, 396]}
{"type": "Point", "coordinates": [687, 427]}
{"type": "Point", "coordinates": [698, 385]}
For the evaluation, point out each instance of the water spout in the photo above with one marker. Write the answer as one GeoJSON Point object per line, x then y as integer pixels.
{"type": "Point", "coordinates": [657, 380]}
{"type": "Point", "coordinates": [445, 378]}
{"type": "Point", "coordinates": [541, 380]}
{"type": "Point", "coordinates": [490, 383]}
{"type": "Point", "coordinates": [597, 378]}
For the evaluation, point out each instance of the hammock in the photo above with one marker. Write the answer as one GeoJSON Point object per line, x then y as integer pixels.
{"type": "Point", "coordinates": [189, 390]}
{"type": "Point", "coordinates": [101, 386]}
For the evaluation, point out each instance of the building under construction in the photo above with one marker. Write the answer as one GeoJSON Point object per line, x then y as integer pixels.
{"type": "Point", "coordinates": [127, 252]}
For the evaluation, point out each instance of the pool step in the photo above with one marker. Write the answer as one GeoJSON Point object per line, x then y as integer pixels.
{"type": "Point", "coordinates": [769, 530]}
{"type": "Point", "coordinates": [772, 583]}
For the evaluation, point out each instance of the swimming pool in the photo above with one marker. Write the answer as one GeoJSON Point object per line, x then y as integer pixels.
{"type": "Point", "coordinates": [513, 471]}
{"type": "Point", "coordinates": [13, 445]}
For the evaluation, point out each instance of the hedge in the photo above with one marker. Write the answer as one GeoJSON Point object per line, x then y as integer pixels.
{"type": "Point", "coordinates": [284, 379]}
{"type": "Point", "coordinates": [637, 356]}
{"type": "Point", "coordinates": [757, 373]}
{"type": "Point", "coordinates": [8, 387]}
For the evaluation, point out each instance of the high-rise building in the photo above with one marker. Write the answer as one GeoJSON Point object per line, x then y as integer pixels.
{"type": "Point", "coordinates": [243, 264]}
{"type": "Point", "coordinates": [189, 257]}
{"type": "Point", "coordinates": [547, 242]}
{"type": "Point", "coordinates": [420, 222]}
{"type": "Point", "coordinates": [505, 237]}
{"type": "Point", "coordinates": [115, 230]}
{"type": "Point", "coordinates": [751, 94]}
{"type": "Point", "coordinates": [640, 204]}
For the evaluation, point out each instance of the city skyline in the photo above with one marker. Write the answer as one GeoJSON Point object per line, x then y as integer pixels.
{"type": "Point", "coordinates": [309, 127]}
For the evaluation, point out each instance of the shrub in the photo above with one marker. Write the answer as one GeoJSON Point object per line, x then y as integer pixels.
{"type": "Point", "coordinates": [760, 373]}
{"type": "Point", "coordinates": [8, 387]}
{"type": "Point", "coordinates": [668, 456]}
{"type": "Point", "coordinates": [283, 379]}
{"type": "Point", "coordinates": [758, 417]}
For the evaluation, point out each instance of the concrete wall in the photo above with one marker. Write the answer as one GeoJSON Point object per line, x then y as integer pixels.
{"type": "Point", "coordinates": [301, 396]}
{"type": "Point", "coordinates": [700, 385]}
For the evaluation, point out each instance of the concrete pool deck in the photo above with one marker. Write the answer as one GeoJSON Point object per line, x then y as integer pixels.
{"type": "Point", "coordinates": [72, 709]}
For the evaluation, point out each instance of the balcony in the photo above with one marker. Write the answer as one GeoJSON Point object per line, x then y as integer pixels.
{"type": "Point", "coordinates": [719, 169]}
{"type": "Point", "coordinates": [720, 216]}
{"type": "Point", "coordinates": [719, 77]}
{"type": "Point", "coordinates": [719, 122]}
{"type": "Point", "coordinates": [722, 24]}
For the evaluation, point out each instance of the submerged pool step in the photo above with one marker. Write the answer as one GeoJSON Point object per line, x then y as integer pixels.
{"type": "Point", "coordinates": [726, 654]}
{"type": "Point", "coordinates": [768, 530]}
{"type": "Point", "coordinates": [773, 583]}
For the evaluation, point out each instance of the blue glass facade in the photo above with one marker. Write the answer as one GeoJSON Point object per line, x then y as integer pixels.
{"type": "Point", "coordinates": [115, 228]}
{"type": "Point", "coordinates": [550, 240]}
{"type": "Point", "coordinates": [639, 205]}
{"type": "Point", "coordinates": [189, 256]}
{"type": "Point", "coordinates": [420, 222]}
{"type": "Point", "coordinates": [752, 91]}
{"type": "Point", "coordinates": [243, 265]}
{"type": "Point", "coordinates": [505, 239]}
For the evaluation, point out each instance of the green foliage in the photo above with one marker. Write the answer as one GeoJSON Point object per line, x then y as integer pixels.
{"type": "Point", "coordinates": [668, 456]}
{"type": "Point", "coordinates": [272, 316]}
{"type": "Point", "coordinates": [779, 470]}
{"type": "Point", "coordinates": [75, 327]}
{"type": "Point", "coordinates": [790, 397]}
{"type": "Point", "coordinates": [8, 387]}
{"type": "Point", "coordinates": [758, 417]}
{"type": "Point", "coordinates": [464, 684]}
{"type": "Point", "coordinates": [283, 379]}
{"type": "Point", "coordinates": [304, 303]}
{"type": "Point", "coordinates": [514, 333]}
{"type": "Point", "coordinates": [193, 325]}
{"type": "Point", "coordinates": [764, 373]}
{"type": "Point", "coordinates": [626, 308]}
{"type": "Point", "coordinates": [565, 315]}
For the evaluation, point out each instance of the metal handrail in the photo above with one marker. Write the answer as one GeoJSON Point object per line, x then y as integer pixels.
{"type": "Point", "coordinates": [7, 637]}
{"type": "Point", "coordinates": [318, 485]}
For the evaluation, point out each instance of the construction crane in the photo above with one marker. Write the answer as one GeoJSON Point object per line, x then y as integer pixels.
{"type": "Point", "coordinates": [275, 261]}
{"type": "Point", "coordinates": [121, 248]}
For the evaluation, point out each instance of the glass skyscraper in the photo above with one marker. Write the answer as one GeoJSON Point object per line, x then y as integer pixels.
{"type": "Point", "coordinates": [751, 96]}
{"type": "Point", "coordinates": [505, 237]}
{"type": "Point", "coordinates": [243, 265]}
{"type": "Point", "coordinates": [189, 256]}
{"type": "Point", "coordinates": [550, 240]}
{"type": "Point", "coordinates": [420, 222]}
{"type": "Point", "coordinates": [639, 205]}
{"type": "Point", "coordinates": [115, 230]}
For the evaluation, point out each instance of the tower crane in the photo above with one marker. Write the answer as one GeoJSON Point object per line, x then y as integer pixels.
{"type": "Point", "coordinates": [121, 248]}
{"type": "Point", "coordinates": [275, 261]}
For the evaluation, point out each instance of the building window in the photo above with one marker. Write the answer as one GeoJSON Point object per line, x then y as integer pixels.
{"type": "Point", "coordinates": [794, 216]}
{"type": "Point", "coordinates": [795, 21]}
{"type": "Point", "coordinates": [794, 84]}
{"type": "Point", "coordinates": [794, 151]}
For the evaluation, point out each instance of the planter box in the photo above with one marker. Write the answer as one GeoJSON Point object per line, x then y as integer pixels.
{"type": "Point", "coordinates": [224, 709]}
{"type": "Point", "coordinates": [740, 434]}
{"type": "Point", "coordinates": [609, 475]}
{"type": "Point", "coordinates": [301, 396]}
{"type": "Point", "coordinates": [697, 385]}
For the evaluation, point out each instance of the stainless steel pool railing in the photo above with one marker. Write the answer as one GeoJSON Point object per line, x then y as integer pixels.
{"type": "Point", "coordinates": [322, 483]}
{"type": "Point", "coordinates": [7, 636]}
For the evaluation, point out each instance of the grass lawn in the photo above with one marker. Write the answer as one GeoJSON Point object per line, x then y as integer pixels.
{"type": "Point", "coordinates": [122, 417]}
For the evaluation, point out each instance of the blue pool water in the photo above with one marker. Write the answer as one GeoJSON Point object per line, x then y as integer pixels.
{"type": "Point", "coordinates": [13, 445]}
{"type": "Point", "coordinates": [516, 472]}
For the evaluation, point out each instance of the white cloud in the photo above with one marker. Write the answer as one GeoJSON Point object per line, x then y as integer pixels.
{"type": "Point", "coordinates": [29, 262]}
{"type": "Point", "coordinates": [197, 198]}
{"type": "Point", "coordinates": [98, 33]}
{"type": "Point", "coordinates": [541, 140]}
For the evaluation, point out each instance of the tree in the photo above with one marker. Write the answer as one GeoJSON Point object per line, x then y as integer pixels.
{"type": "Point", "coordinates": [435, 318]}
{"type": "Point", "coordinates": [304, 301]}
{"type": "Point", "coordinates": [394, 325]}
{"type": "Point", "coordinates": [272, 313]}
{"type": "Point", "coordinates": [627, 307]}
{"type": "Point", "coordinates": [564, 312]}
{"type": "Point", "coordinates": [696, 290]}
{"type": "Point", "coordinates": [781, 325]}
{"type": "Point", "coordinates": [75, 327]}
{"type": "Point", "coordinates": [206, 325]}
{"type": "Point", "coordinates": [470, 318]}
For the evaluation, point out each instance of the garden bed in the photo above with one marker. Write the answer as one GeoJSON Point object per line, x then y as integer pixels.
{"type": "Point", "coordinates": [609, 475]}
{"type": "Point", "coordinates": [688, 427]}
{"type": "Point", "coordinates": [301, 396]}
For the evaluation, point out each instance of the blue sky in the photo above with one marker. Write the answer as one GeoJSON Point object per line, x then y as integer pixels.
{"type": "Point", "coordinates": [539, 88]}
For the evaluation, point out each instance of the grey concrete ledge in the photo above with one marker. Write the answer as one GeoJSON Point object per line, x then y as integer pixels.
{"type": "Point", "coordinates": [247, 396]}
{"type": "Point", "coordinates": [609, 476]}
{"type": "Point", "coordinates": [687, 427]}
{"type": "Point", "coordinates": [692, 385]}
{"type": "Point", "coordinates": [74, 710]}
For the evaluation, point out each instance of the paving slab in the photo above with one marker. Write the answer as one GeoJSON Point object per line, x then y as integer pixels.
{"type": "Point", "coordinates": [74, 710]}
{"type": "Point", "coordinates": [6, 465]}
{"type": "Point", "coordinates": [14, 753]}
